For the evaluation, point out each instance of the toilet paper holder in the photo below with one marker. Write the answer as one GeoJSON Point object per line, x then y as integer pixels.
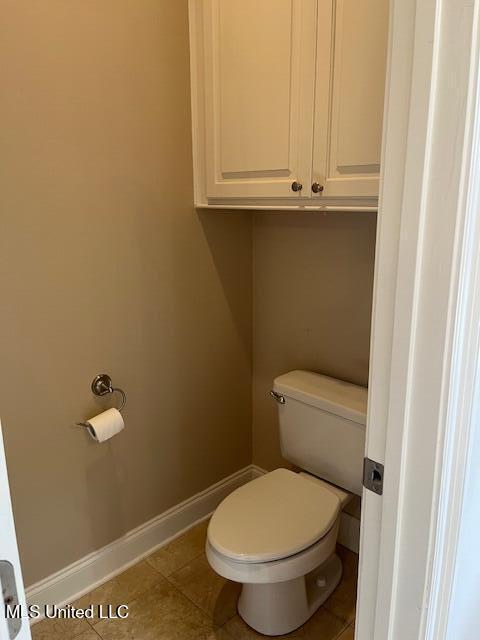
{"type": "Point", "coordinates": [102, 385]}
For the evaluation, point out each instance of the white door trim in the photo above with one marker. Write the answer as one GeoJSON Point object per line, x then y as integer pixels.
{"type": "Point", "coordinates": [423, 363]}
{"type": "Point", "coordinates": [9, 553]}
{"type": "Point", "coordinates": [461, 411]}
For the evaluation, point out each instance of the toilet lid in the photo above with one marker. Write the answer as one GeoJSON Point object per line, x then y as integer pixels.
{"type": "Point", "coordinates": [272, 517]}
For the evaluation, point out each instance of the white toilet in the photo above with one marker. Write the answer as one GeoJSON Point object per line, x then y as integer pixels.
{"type": "Point", "coordinates": [277, 534]}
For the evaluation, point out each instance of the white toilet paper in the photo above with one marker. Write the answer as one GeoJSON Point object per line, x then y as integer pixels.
{"type": "Point", "coordinates": [105, 425]}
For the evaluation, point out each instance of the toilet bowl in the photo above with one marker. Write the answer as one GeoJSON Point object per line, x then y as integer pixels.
{"type": "Point", "coordinates": [276, 535]}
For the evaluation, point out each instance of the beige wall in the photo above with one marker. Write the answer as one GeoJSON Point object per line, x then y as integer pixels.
{"type": "Point", "coordinates": [106, 267]}
{"type": "Point", "coordinates": [313, 278]}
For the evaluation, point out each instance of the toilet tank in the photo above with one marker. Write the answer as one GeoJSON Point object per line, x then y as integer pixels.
{"type": "Point", "coordinates": [322, 426]}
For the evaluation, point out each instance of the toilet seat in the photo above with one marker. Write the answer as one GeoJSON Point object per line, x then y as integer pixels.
{"type": "Point", "coordinates": [272, 518]}
{"type": "Point", "coordinates": [275, 571]}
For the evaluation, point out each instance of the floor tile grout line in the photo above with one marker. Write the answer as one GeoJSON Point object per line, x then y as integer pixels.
{"type": "Point", "coordinates": [205, 613]}
{"type": "Point", "coordinates": [175, 570]}
{"type": "Point", "coordinates": [93, 629]}
{"type": "Point", "coordinates": [347, 626]}
{"type": "Point", "coordinates": [79, 635]}
{"type": "Point", "coordinates": [346, 621]}
{"type": "Point", "coordinates": [131, 602]}
{"type": "Point", "coordinates": [94, 621]}
{"type": "Point", "coordinates": [90, 622]}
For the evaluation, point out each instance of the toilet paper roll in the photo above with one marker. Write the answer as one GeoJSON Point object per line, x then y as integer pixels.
{"type": "Point", "coordinates": [105, 425]}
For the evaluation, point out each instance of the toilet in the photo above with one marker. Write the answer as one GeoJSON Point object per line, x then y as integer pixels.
{"type": "Point", "coordinates": [277, 534]}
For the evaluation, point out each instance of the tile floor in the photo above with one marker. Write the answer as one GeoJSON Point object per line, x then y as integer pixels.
{"type": "Point", "coordinates": [174, 595]}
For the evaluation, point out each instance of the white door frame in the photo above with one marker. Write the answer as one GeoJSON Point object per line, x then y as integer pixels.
{"type": "Point", "coordinates": [9, 553]}
{"type": "Point", "coordinates": [426, 323]}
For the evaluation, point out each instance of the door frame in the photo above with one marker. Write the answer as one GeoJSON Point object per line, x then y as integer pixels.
{"type": "Point", "coordinates": [9, 552]}
{"type": "Point", "coordinates": [426, 325]}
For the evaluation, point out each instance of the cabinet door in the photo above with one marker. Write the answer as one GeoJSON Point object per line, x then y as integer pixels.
{"type": "Point", "coordinates": [352, 46]}
{"type": "Point", "coordinates": [259, 66]}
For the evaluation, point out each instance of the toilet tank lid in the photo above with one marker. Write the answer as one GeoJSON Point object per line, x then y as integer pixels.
{"type": "Point", "coordinates": [329, 394]}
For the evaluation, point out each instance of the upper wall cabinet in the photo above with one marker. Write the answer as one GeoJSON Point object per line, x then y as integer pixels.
{"type": "Point", "coordinates": [287, 102]}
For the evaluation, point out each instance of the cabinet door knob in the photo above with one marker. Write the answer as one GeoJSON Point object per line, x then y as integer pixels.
{"type": "Point", "coordinates": [297, 186]}
{"type": "Point", "coordinates": [317, 187]}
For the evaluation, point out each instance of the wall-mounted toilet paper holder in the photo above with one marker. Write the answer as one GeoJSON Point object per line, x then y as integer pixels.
{"type": "Point", "coordinates": [102, 385]}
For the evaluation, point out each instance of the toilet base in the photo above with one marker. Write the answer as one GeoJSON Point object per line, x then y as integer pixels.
{"type": "Point", "coordinates": [280, 607]}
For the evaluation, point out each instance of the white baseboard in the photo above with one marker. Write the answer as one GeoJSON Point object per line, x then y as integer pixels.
{"type": "Point", "coordinates": [257, 471]}
{"type": "Point", "coordinates": [82, 576]}
{"type": "Point", "coordinates": [349, 532]}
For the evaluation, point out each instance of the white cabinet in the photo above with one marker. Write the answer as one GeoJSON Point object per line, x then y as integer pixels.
{"type": "Point", "coordinates": [286, 95]}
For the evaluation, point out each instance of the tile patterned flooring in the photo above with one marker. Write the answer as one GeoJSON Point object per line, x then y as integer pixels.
{"type": "Point", "coordinates": [174, 595]}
